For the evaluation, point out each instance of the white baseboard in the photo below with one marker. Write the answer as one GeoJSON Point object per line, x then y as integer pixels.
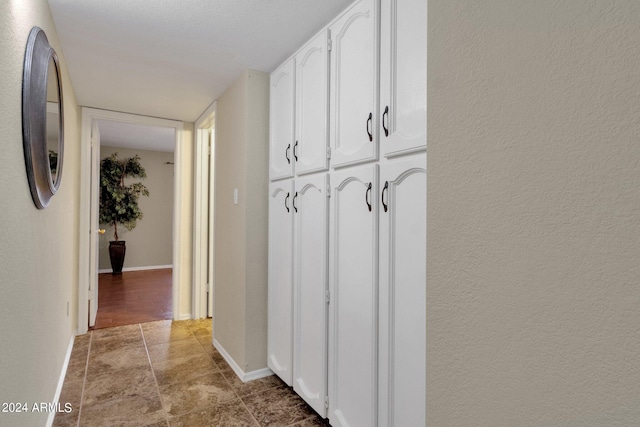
{"type": "Point", "coordinates": [184, 317]}
{"type": "Point", "coordinates": [63, 374]}
{"type": "Point", "coordinates": [151, 267]}
{"type": "Point", "coordinates": [244, 376]}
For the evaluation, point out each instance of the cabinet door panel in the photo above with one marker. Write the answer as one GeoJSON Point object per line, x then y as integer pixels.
{"type": "Point", "coordinates": [353, 307]}
{"type": "Point", "coordinates": [354, 65]}
{"type": "Point", "coordinates": [403, 76]}
{"type": "Point", "coordinates": [281, 107]}
{"type": "Point", "coordinates": [312, 101]}
{"type": "Point", "coordinates": [280, 292]}
{"type": "Point", "coordinates": [403, 244]}
{"type": "Point", "coordinates": [310, 286]}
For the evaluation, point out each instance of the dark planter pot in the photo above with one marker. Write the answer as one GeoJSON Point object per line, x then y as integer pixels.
{"type": "Point", "coordinates": [116, 253]}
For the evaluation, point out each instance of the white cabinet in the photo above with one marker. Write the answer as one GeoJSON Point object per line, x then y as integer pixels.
{"type": "Point", "coordinates": [281, 112]}
{"type": "Point", "coordinates": [402, 314]}
{"type": "Point", "coordinates": [353, 308]}
{"type": "Point", "coordinates": [310, 206]}
{"type": "Point", "coordinates": [403, 76]}
{"type": "Point", "coordinates": [280, 294]}
{"type": "Point", "coordinates": [347, 260]}
{"type": "Point", "coordinates": [354, 85]}
{"type": "Point", "coordinates": [312, 102]}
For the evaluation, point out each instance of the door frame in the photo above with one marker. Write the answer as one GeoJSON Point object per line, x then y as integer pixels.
{"type": "Point", "coordinates": [89, 116]}
{"type": "Point", "coordinates": [203, 265]}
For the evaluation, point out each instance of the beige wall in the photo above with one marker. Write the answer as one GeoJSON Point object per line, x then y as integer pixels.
{"type": "Point", "coordinates": [39, 251]}
{"type": "Point", "coordinates": [185, 201]}
{"type": "Point", "coordinates": [533, 304]}
{"type": "Point", "coordinates": [151, 242]}
{"type": "Point", "coordinates": [241, 160]}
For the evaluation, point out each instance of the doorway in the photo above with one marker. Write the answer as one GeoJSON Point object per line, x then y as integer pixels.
{"type": "Point", "coordinates": [88, 292]}
{"type": "Point", "coordinates": [142, 293]}
{"type": "Point", "coordinates": [203, 265]}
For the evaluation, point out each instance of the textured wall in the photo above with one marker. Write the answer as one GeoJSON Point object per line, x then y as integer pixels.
{"type": "Point", "coordinates": [241, 161]}
{"type": "Point", "coordinates": [151, 242]}
{"type": "Point", "coordinates": [257, 219]}
{"type": "Point", "coordinates": [230, 220]}
{"type": "Point", "coordinates": [39, 251]}
{"type": "Point", "coordinates": [533, 305]}
{"type": "Point", "coordinates": [185, 198]}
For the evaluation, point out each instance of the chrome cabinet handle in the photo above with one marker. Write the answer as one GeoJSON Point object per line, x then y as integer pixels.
{"type": "Point", "coordinates": [366, 196]}
{"type": "Point", "coordinates": [295, 151]}
{"type": "Point", "coordinates": [295, 208]}
{"type": "Point", "coordinates": [369, 122]}
{"type": "Point", "coordinates": [286, 200]}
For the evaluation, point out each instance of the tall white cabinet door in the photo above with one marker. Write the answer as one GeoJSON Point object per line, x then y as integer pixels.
{"type": "Point", "coordinates": [280, 293]}
{"type": "Point", "coordinates": [353, 306]}
{"type": "Point", "coordinates": [310, 207]}
{"type": "Point", "coordinates": [403, 234]}
{"type": "Point", "coordinates": [403, 76]}
{"type": "Point", "coordinates": [354, 85]}
{"type": "Point", "coordinates": [312, 103]}
{"type": "Point", "coordinates": [281, 120]}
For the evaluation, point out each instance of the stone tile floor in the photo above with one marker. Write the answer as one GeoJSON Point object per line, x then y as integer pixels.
{"type": "Point", "coordinates": [168, 373]}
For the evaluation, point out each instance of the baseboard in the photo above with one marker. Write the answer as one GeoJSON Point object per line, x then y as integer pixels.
{"type": "Point", "coordinates": [184, 317]}
{"type": "Point", "coordinates": [244, 376]}
{"type": "Point", "coordinates": [151, 267]}
{"type": "Point", "coordinates": [63, 374]}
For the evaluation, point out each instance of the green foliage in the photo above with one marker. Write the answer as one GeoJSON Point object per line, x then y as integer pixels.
{"type": "Point", "coordinates": [119, 202]}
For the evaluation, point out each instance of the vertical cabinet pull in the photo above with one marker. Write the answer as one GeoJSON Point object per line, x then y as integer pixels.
{"type": "Point", "coordinates": [385, 115]}
{"type": "Point", "coordinates": [384, 191]}
{"type": "Point", "coordinates": [295, 151]}
{"type": "Point", "coordinates": [286, 202]}
{"type": "Point", "coordinates": [295, 208]}
{"type": "Point", "coordinates": [369, 122]}
{"type": "Point", "coordinates": [286, 153]}
{"type": "Point", "coordinates": [367, 195]}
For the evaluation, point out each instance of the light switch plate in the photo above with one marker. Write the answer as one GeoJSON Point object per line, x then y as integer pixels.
{"type": "Point", "coordinates": [235, 196]}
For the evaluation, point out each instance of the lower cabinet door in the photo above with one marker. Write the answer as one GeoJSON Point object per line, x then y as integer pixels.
{"type": "Point", "coordinates": [310, 207]}
{"type": "Point", "coordinates": [403, 237]}
{"type": "Point", "coordinates": [280, 294]}
{"type": "Point", "coordinates": [353, 306]}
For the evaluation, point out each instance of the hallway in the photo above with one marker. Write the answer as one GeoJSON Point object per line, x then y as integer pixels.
{"type": "Point", "coordinates": [167, 373]}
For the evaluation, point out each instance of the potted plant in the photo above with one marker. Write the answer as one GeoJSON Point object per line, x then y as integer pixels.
{"type": "Point", "coordinates": [119, 202]}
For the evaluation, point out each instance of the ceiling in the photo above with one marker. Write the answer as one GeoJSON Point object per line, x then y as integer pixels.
{"type": "Point", "coordinates": [173, 58]}
{"type": "Point", "coordinates": [141, 137]}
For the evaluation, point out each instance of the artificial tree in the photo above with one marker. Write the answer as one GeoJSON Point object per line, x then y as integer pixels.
{"type": "Point", "coordinates": [119, 201]}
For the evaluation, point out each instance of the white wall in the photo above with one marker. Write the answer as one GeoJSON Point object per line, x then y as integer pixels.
{"type": "Point", "coordinates": [39, 250]}
{"type": "Point", "coordinates": [533, 297]}
{"type": "Point", "coordinates": [151, 242]}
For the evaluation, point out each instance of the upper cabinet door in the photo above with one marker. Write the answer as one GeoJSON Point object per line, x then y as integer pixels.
{"type": "Point", "coordinates": [312, 103]}
{"type": "Point", "coordinates": [403, 76]}
{"type": "Point", "coordinates": [354, 85]}
{"type": "Point", "coordinates": [281, 134]}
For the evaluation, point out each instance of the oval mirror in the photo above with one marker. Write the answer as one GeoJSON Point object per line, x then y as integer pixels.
{"type": "Point", "coordinates": [42, 118]}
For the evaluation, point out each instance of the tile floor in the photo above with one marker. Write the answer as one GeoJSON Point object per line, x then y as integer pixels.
{"type": "Point", "coordinates": [167, 373]}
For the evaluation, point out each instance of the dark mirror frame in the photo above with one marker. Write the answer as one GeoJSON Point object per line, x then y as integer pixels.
{"type": "Point", "coordinates": [34, 117]}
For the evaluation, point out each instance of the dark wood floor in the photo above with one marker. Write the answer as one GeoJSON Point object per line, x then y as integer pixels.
{"type": "Point", "coordinates": [134, 297]}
